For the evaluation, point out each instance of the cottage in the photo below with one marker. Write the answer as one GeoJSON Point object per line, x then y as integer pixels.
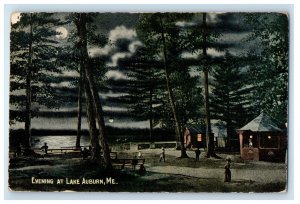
{"type": "Point", "coordinates": [262, 139]}
{"type": "Point", "coordinates": [194, 136]}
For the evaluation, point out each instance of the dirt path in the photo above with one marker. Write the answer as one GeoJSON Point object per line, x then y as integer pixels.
{"type": "Point", "coordinates": [252, 171]}
{"type": "Point", "coordinates": [263, 176]}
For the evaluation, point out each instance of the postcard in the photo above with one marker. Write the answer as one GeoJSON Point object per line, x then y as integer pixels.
{"type": "Point", "coordinates": [148, 102]}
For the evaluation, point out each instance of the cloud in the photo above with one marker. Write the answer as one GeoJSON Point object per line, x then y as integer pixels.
{"type": "Point", "coordinates": [115, 58]}
{"type": "Point", "coordinates": [214, 53]}
{"type": "Point", "coordinates": [189, 55]}
{"type": "Point", "coordinates": [210, 51]}
{"type": "Point", "coordinates": [99, 51]}
{"type": "Point", "coordinates": [115, 75]}
{"type": "Point", "coordinates": [134, 45]}
{"type": "Point", "coordinates": [121, 32]}
{"type": "Point", "coordinates": [184, 23]}
{"type": "Point", "coordinates": [123, 43]}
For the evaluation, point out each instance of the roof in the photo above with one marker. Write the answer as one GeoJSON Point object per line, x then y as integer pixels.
{"type": "Point", "coordinates": [195, 129]}
{"type": "Point", "coordinates": [262, 123]}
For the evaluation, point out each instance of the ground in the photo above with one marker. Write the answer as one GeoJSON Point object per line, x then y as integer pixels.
{"type": "Point", "coordinates": [174, 175]}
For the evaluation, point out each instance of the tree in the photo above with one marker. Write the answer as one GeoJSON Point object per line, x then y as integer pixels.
{"type": "Point", "coordinates": [158, 31]}
{"type": "Point", "coordinates": [205, 34]}
{"type": "Point", "coordinates": [71, 61]}
{"type": "Point", "coordinates": [269, 72]}
{"type": "Point", "coordinates": [200, 39]}
{"type": "Point", "coordinates": [230, 94]}
{"type": "Point", "coordinates": [33, 62]}
{"type": "Point", "coordinates": [189, 100]}
{"type": "Point", "coordinates": [144, 86]}
{"type": "Point", "coordinates": [93, 97]}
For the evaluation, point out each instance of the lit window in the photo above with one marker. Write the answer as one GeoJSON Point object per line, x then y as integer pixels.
{"type": "Point", "coordinates": [199, 137]}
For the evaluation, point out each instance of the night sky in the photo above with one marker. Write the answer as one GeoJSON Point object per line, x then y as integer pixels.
{"type": "Point", "coordinates": [123, 42]}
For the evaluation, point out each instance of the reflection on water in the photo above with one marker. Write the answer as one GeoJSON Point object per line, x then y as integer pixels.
{"type": "Point", "coordinates": [54, 142]}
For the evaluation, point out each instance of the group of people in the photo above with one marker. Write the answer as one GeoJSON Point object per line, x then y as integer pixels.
{"type": "Point", "coordinates": [162, 155]}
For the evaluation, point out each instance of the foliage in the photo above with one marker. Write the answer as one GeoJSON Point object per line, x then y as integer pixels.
{"type": "Point", "coordinates": [45, 49]}
{"type": "Point", "coordinates": [269, 72]}
{"type": "Point", "coordinates": [230, 93]}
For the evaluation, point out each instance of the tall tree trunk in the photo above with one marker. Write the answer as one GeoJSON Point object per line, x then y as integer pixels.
{"type": "Point", "coordinates": [94, 135]}
{"type": "Point", "coordinates": [94, 92]}
{"type": "Point", "coordinates": [209, 136]}
{"type": "Point", "coordinates": [151, 115]}
{"type": "Point", "coordinates": [171, 95]}
{"type": "Point", "coordinates": [27, 142]}
{"type": "Point", "coordinates": [99, 118]}
{"type": "Point", "coordinates": [80, 87]}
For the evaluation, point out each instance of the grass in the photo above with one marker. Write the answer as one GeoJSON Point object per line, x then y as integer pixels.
{"type": "Point", "coordinates": [22, 170]}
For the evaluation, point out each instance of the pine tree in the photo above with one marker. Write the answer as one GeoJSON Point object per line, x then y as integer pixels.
{"type": "Point", "coordinates": [269, 70]}
{"type": "Point", "coordinates": [33, 63]}
{"type": "Point", "coordinates": [159, 31]}
{"type": "Point", "coordinates": [81, 20]}
{"type": "Point", "coordinates": [144, 86]}
{"type": "Point", "coordinates": [230, 93]}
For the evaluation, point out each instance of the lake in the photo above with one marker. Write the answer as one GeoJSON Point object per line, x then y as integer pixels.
{"type": "Point", "coordinates": [55, 142]}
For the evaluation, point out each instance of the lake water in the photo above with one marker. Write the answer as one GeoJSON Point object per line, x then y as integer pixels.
{"type": "Point", "coordinates": [55, 142]}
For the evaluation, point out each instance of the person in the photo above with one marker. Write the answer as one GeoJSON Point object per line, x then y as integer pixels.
{"type": "Point", "coordinates": [85, 153]}
{"type": "Point", "coordinates": [197, 152]}
{"type": "Point", "coordinates": [19, 150]}
{"type": "Point", "coordinates": [134, 162]}
{"type": "Point", "coordinates": [162, 155]}
{"type": "Point", "coordinates": [139, 154]}
{"type": "Point", "coordinates": [227, 171]}
{"type": "Point", "coordinates": [45, 148]}
{"type": "Point", "coordinates": [250, 143]}
{"type": "Point", "coordinates": [142, 170]}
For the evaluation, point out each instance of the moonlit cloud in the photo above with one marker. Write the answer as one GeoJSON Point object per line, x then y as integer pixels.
{"type": "Point", "coordinates": [210, 51]}
{"type": "Point", "coordinates": [134, 45]}
{"type": "Point", "coordinates": [189, 55]}
{"type": "Point", "coordinates": [121, 32]}
{"type": "Point", "coordinates": [62, 84]}
{"type": "Point", "coordinates": [214, 53]}
{"type": "Point", "coordinates": [113, 74]}
{"type": "Point", "coordinates": [184, 23]}
{"type": "Point", "coordinates": [115, 58]}
{"type": "Point", "coordinates": [118, 33]}
{"type": "Point", "coordinates": [98, 51]}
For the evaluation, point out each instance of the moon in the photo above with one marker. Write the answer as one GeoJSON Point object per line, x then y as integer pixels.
{"type": "Point", "coordinates": [63, 33]}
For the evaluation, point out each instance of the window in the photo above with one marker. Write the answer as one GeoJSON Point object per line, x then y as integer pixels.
{"type": "Point", "coordinates": [250, 141]}
{"type": "Point", "coordinates": [269, 141]}
{"type": "Point", "coordinates": [199, 137]}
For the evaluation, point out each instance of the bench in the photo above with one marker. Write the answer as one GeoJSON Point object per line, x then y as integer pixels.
{"type": "Point", "coordinates": [122, 163]}
{"type": "Point", "coordinates": [113, 155]}
{"type": "Point", "coordinates": [60, 152]}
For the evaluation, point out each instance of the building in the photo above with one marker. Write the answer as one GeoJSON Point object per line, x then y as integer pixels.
{"type": "Point", "coordinates": [262, 139]}
{"type": "Point", "coordinates": [194, 136]}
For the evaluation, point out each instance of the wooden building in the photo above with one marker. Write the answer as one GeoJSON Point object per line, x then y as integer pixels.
{"type": "Point", "coordinates": [262, 139]}
{"type": "Point", "coordinates": [194, 136]}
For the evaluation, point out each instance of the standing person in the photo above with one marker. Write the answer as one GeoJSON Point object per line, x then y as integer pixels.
{"type": "Point", "coordinates": [162, 155]}
{"type": "Point", "coordinates": [197, 152]}
{"type": "Point", "coordinates": [19, 150]}
{"type": "Point", "coordinates": [140, 155]}
{"type": "Point", "coordinates": [227, 171]}
{"type": "Point", "coordinates": [45, 147]}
